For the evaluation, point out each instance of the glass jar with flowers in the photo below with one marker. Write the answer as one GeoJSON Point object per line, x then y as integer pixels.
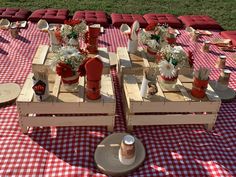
{"type": "Point", "coordinates": [171, 61]}
{"type": "Point", "coordinates": [70, 32]}
{"type": "Point", "coordinates": [66, 64]}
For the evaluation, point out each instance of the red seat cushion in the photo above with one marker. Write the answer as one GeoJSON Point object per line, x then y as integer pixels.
{"type": "Point", "coordinates": [119, 19]}
{"type": "Point", "coordinates": [14, 14]}
{"type": "Point", "coordinates": [92, 17]}
{"type": "Point", "coordinates": [169, 19]}
{"type": "Point", "coordinates": [50, 15]}
{"type": "Point", "coordinates": [229, 35]}
{"type": "Point", "coordinates": [200, 22]}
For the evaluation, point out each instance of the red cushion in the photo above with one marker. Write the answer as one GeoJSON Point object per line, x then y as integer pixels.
{"type": "Point", "coordinates": [92, 17]}
{"type": "Point", "coordinates": [169, 19]}
{"type": "Point", "coordinates": [14, 14]}
{"type": "Point", "coordinates": [200, 22]}
{"type": "Point", "coordinates": [50, 15]}
{"type": "Point", "coordinates": [119, 19]}
{"type": "Point", "coordinates": [229, 35]}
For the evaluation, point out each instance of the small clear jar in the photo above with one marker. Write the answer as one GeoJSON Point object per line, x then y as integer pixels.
{"type": "Point", "coordinates": [206, 46]}
{"type": "Point", "coordinates": [220, 63]}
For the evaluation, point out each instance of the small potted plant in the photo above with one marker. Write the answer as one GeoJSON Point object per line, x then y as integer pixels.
{"type": "Point", "coordinates": [66, 64]}
{"type": "Point", "coordinates": [200, 83]}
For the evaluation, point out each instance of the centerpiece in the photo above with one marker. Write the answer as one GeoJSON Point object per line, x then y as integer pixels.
{"type": "Point", "coordinates": [70, 32]}
{"type": "Point", "coordinates": [170, 62]}
{"type": "Point", "coordinates": [66, 64]}
{"type": "Point", "coordinates": [155, 37]}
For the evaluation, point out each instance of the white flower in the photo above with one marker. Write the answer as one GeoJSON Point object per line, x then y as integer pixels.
{"type": "Point", "coordinates": [167, 69]}
{"type": "Point", "coordinates": [68, 55]}
{"type": "Point", "coordinates": [153, 44]}
{"type": "Point", "coordinates": [66, 30]}
{"type": "Point", "coordinates": [145, 37]}
{"type": "Point", "coordinates": [80, 28]}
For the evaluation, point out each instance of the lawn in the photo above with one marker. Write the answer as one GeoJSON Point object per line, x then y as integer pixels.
{"type": "Point", "coordinates": [224, 11]}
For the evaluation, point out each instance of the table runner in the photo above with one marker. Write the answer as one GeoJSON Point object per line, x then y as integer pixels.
{"type": "Point", "coordinates": [178, 150]}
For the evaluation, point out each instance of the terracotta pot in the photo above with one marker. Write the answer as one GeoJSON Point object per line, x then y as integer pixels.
{"type": "Point", "coordinates": [92, 41]}
{"type": "Point", "coordinates": [171, 40]}
{"type": "Point", "coordinates": [92, 49]}
{"type": "Point", "coordinates": [70, 80]}
{"type": "Point", "coordinates": [199, 88]}
{"type": "Point", "coordinates": [94, 31]}
{"type": "Point", "coordinates": [93, 89]}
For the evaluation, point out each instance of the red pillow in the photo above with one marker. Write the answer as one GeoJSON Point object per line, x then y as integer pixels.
{"type": "Point", "coordinates": [229, 35]}
{"type": "Point", "coordinates": [169, 19]}
{"type": "Point", "coordinates": [50, 15]}
{"type": "Point", "coordinates": [119, 19]}
{"type": "Point", "coordinates": [14, 14]}
{"type": "Point", "coordinates": [200, 22]}
{"type": "Point", "coordinates": [92, 17]}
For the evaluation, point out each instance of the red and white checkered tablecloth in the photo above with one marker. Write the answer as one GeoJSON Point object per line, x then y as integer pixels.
{"type": "Point", "coordinates": [183, 150]}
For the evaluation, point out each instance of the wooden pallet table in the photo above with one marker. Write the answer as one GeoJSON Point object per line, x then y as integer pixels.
{"type": "Point", "coordinates": [43, 58]}
{"type": "Point", "coordinates": [169, 107]}
{"type": "Point", "coordinates": [65, 108]}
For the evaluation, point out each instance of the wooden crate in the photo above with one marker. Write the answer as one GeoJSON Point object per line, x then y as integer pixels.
{"type": "Point", "coordinates": [65, 108]}
{"type": "Point", "coordinates": [169, 107]}
{"type": "Point", "coordinates": [43, 58]}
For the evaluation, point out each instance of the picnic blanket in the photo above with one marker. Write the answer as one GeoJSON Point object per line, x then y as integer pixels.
{"type": "Point", "coordinates": [178, 150]}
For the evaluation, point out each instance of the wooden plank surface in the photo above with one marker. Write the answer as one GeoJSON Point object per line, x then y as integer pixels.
{"type": "Point", "coordinates": [124, 58]}
{"type": "Point", "coordinates": [132, 88]}
{"type": "Point", "coordinates": [68, 121]}
{"type": "Point", "coordinates": [172, 119]}
{"type": "Point", "coordinates": [102, 52]}
{"type": "Point", "coordinates": [40, 55]}
{"type": "Point", "coordinates": [113, 58]}
{"type": "Point", "coordinates": [107, 91]}
{"type": "Point", "coordinates": [27, 92]}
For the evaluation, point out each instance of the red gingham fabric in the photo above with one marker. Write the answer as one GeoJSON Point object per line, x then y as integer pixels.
{"type": "Point", "coordinates": [183, 150]}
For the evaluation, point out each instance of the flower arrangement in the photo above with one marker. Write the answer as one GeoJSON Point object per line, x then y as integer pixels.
{"type": "Point", "coordinates": [67, 61]}
{"type": "Point", "coordinates": [155, 36]}
{"type": "Point", "coordinates": [171, 60]}
{"type": "Point", "coordinates": [71, 30]}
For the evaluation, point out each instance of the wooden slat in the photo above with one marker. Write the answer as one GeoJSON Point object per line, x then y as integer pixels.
{"type": "Point", "coordinates": [56, 87]}
{"type": "Point", "coordinates": [183, 91]}
{"type": "Point", "coordinates": [27, 92]}
{"type": "Point", "coordinates": [172, 119]}
{"type": "Point", "coordinates": [66, 107]}
{"type": "Point", "coordinates": [144, 55]}
{"type": "Point", "coordinates": [175, 106]}
{"type": "Point", "coordinates": [102, 52]}
{"type": "Point", "coordinates": [132, 88]}
{"type": "Point", "coordinates": [123, 57]}
{"type": "Point", "coordinates": [107, 92]}
{"type": "Point", "coordinates": [113, 59]}
{"type": "Point", "coordinates": [68, 121]}
{"type": "Point", "coordinates": [40, 55]}
{"type": "Point", "coordinates": [81, 89]}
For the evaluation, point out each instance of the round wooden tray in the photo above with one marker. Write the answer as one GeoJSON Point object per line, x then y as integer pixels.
{"type": "Point", "coordinates": [106, 156]}
{"type": "Point", "coordinates": [9, 92]}
{"type": "Point", "coordinates": [226, 94]}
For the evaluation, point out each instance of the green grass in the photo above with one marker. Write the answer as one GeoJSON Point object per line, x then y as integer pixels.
{"type": "Point", "coordinates": [224, 11]}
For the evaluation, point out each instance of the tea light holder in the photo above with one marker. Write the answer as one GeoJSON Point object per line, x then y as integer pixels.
{"type": "Point", "coordinates": [223, 81]}
{"type": "Point", "coordinates": [220, 63]}
{"type": "Point", "coordinates": [14, 32]}
{"type": "Point", "coordinates": [127, 150]}
{"type": "Point", "coordinates": [206, 46]}
{"type": "Point", "coordinates": [195, 36]}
